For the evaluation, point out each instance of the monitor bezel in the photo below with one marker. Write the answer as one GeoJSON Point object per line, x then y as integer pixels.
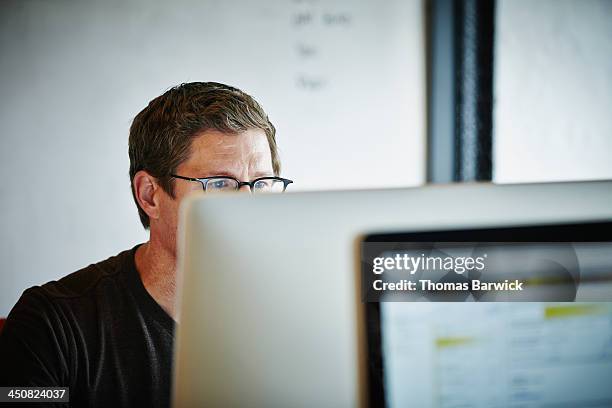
{"type": "Point", "coordinates": [590, 231]}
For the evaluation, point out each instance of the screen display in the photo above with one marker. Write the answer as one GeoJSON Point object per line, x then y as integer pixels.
{"type": "Point", "coordinates": [424, 352]}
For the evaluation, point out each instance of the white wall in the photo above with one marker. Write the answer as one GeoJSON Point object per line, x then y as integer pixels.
{"type": "Point", "coordinates": [553, 90]}
{"type": "Point", "coordinates": [342, 80]}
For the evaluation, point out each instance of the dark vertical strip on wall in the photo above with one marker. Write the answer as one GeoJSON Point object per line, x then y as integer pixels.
{"type": "Point", "coordinates": [474, 40]}
{"type": "Point", "coordinates": [440, 34]}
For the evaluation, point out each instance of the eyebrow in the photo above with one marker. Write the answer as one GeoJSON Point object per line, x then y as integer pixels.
{"type": "Point", "coordinates": [219, 173]}
{"type": "Point", "coordinates": [225, 173]}
{"type": "Point", "coordinates": [264, 174]}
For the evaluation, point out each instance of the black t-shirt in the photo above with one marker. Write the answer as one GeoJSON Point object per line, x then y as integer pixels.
{"type": "Point", "coordinates": [97, 331]}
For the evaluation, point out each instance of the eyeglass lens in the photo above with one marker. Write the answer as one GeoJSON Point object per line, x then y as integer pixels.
{"type": "Point", "coordinates": [222, 184]}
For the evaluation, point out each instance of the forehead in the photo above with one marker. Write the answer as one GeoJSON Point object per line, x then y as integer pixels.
{"type": "Point", "coordinates": [213, 150]}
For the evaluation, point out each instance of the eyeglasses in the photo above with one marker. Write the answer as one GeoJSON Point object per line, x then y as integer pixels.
{"type": "Point", "coordinates": [222, 184]}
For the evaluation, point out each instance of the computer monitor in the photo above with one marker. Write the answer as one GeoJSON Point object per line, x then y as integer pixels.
{"type": "Point", "coordinates": [440, 348]}
{"type": "Point", "coordinates": [270, 310]}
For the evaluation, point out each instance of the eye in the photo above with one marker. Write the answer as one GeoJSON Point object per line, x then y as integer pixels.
{"type": "Point", "coordinates": [263, 184]}
{"type": "Point", "coordinates": [269, 185]}
{"type": "Point", "coordinates": [221, 184]}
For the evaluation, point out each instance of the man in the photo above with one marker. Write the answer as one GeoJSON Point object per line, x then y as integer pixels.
{"type": "Point", "coordinates": [106, 331]}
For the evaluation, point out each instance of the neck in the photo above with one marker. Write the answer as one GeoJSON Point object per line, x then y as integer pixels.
{"type": "Point", "coordinates": [157, 269]}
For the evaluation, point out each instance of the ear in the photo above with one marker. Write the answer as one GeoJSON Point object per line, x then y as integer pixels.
{"type": "Point", "coordinates": [146, 191]}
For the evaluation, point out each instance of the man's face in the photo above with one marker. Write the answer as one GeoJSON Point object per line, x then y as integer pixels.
{"type": "Point", "coordinates": [244, 156]}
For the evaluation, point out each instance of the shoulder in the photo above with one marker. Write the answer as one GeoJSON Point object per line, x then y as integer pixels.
{"type": "Point", "coordinates": [44, 302]}
{"type": "Point", "coordinates": [85, 280]}
{"type": "Point", "coordinates": [41, 331]}
{"type": "Point", "coordinates": [66, 299]}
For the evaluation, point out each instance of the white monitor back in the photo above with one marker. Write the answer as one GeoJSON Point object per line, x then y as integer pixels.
{"type": "Point", "coordinates": [270, 310]}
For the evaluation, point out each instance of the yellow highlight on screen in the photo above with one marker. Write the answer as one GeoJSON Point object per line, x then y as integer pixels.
{"type": "Point", "coordinates": [442, 342]}
{"type": "Point", "coordinates": [560, 311]}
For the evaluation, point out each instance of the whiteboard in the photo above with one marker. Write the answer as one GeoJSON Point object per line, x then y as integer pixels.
{"type": "Point", "coordinates": [553, 91]}
{"type": "Point", "coordinates": [343, 81]}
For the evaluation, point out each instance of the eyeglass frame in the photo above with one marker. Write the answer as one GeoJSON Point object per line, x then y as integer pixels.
{"type": "Point", "coordinates": [204, 181]}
